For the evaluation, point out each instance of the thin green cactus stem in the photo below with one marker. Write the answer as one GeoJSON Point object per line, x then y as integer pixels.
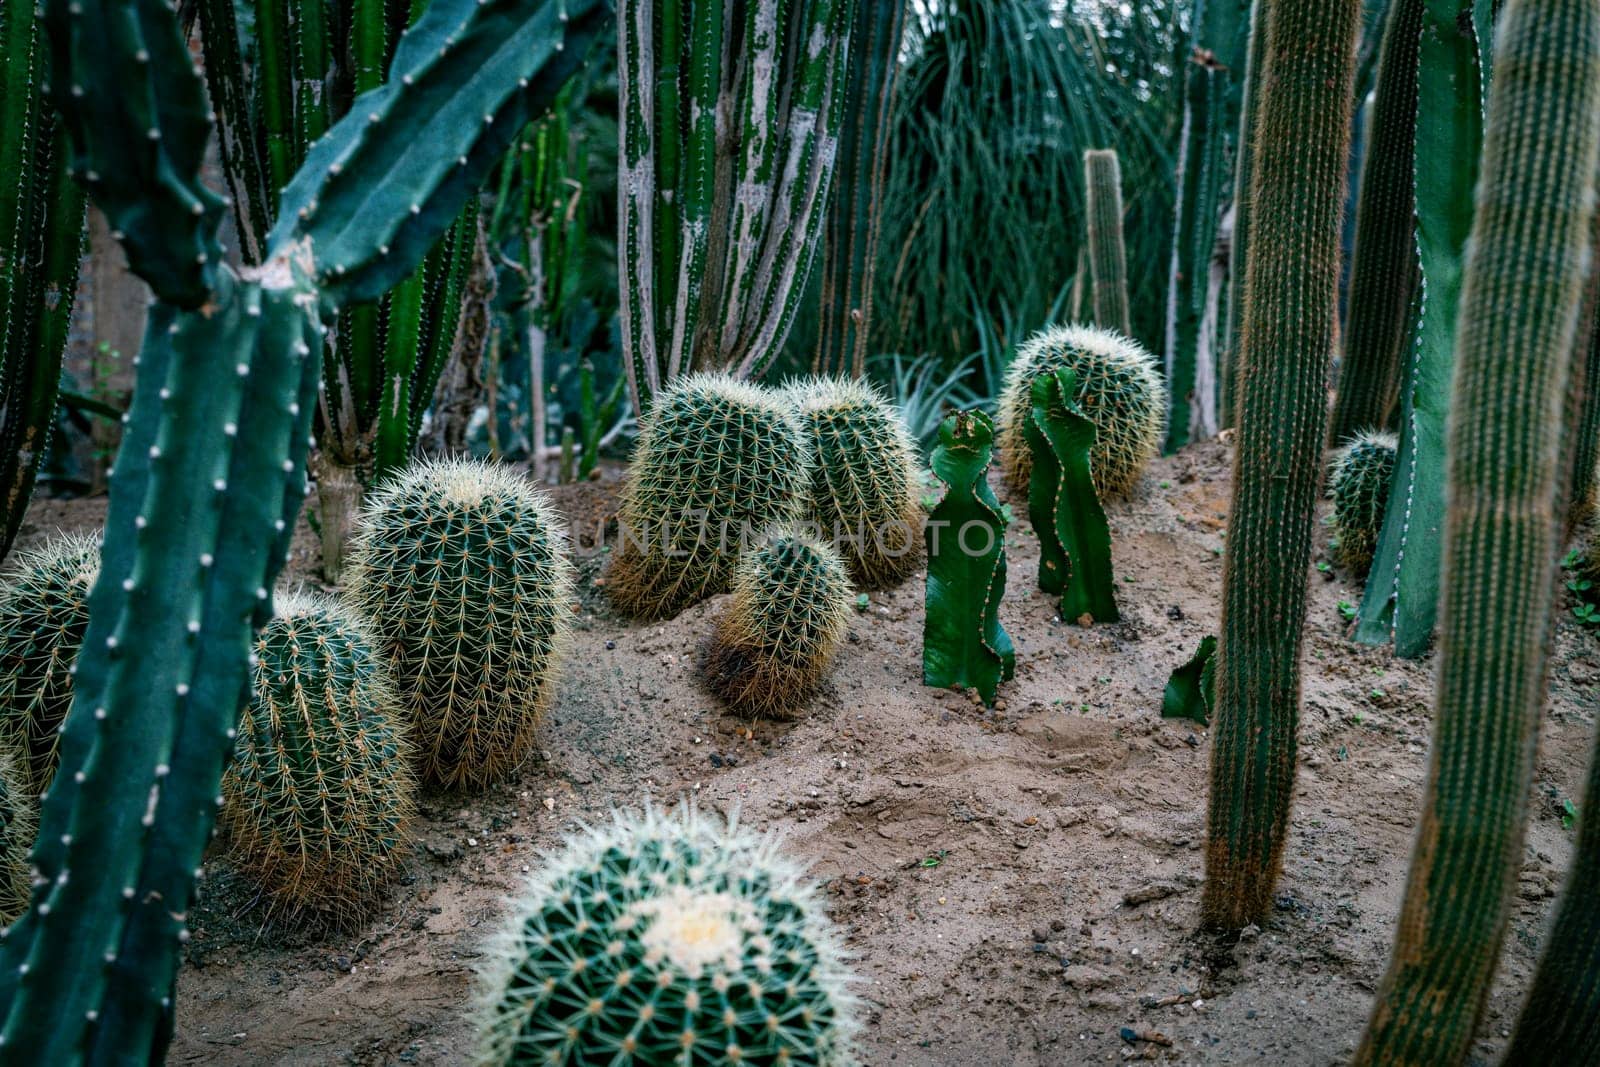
{"type": "Point", "coordinates": [1585, 440]}
{"type": "Point", "coordinates": [1302, 137]}
{"type": "Point", "coordinates": [1528, 254]}
{"type": "Point", "coordinates": [1108, 255]}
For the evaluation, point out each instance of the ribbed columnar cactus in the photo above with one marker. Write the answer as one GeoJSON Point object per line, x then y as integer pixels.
{"type": "Point", "coordinates": [718, 462]}
{"type": "Point", "coordinates": [789, 611]}
{"type": "Point", "coordinates": [667, 939]}
{"type": "Point", "coordinates": [1119, 388]}
{"type": "Point", "coordinates": [1301, 144]}
{"type": "Point", "coordinates": [1108, 254]}
{"type": "Point", "coordinates": [1506, 489]}
{"type": "Point", "coordinates": [864, 487]}
{"type": "Point", "coordinates": [44, 610]}
{"type": "Point", "coordinates": [19, 820]}
{"type": "Point", "coordinates": [1359, 483]}
{"type": "Point", "coordinates": [1383, 270]}
{"type": "Point", "coordinates": [321, 786]}
{"type": "Point", "coordinates": [462, 568]}
{"type": "Point", "coordinates": [1239, 243]}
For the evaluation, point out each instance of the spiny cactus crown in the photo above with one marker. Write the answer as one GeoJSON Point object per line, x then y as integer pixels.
{"type": "Point", "coordinates": [1362, 472]}
{"type": "Point", "coordinates": [667, 939]}
{"type": "Point", "coordinates": [321, 786]}
{"type": "Point", "coordinates": [19, 820]}
{"type": "Point", "coordinates": [863, 491]}
{"type": "Point", "coordinates": [462, 567]}
{"type": "Point", "coordinates": [789, 611]}
{"type": "Point", "coordinates": [718, 461]}
{"type": "Point", "coordinates": [1119, 389]}
{"type": "Point", "coordinates": [44, 610]}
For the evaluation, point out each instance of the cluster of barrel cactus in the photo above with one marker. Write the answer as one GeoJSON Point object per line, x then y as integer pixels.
{"type": "Point", "coordinates": [667, 939]}
{"type": "Point", "coordinates": [1362, 471]}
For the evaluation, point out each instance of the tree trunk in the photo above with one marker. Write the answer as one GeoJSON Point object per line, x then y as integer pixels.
{"type": "Point", "coordinates": [339, 493]}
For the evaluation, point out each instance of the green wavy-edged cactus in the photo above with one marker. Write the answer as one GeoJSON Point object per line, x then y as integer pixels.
{"type": "Point", "coordinates": [1359, 480]}
{"type": "Point", "coordinates": [667, 939]}
{"type": "Point", "coordinates": [462, 568]}
{"type": "Point", "coordinates": [19, 821]}
{"type": "Point", "coordinates": [1290, 319]}
{"type": "Point", "coordinates": [1119, 388]}
{"type": "Point", "coordinates": [789, 611]}
{"type": "Point", "coordinates": [718, 462]}
{"type": "Point", "coordinates": [321, 787]}
{"type": "Point", "coordinates": [1506, 486]}
{"type": "Point", "coordinates": [44, 610]}
{"type": "Point", "coordinates": [863, 480]}
{"type": "Point", "coordinates": [1108, 254]}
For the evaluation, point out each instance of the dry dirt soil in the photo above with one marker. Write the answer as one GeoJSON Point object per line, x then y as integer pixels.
{"type": "Point", "coordinates": [1021, 885]}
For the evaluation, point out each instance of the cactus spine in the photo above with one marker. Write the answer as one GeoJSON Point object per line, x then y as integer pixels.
{"type": "Point", "coordinates": [1528, 255]}
{"type": "Point", "coordinates": [667, 939]}
{"type": "Point", "coordinates": [1302, 137]}
{"type": "Point", "coordinates": [321, 786]}
{"type": "Point", "coordinates": [44, 609]}
{"type": "Point", "coordinates": [710, 281]}
{"type": "Point", "coordinates": [1359, 484]}
{"type": "Point", "coordinates": [789, 611]}
{"type": "Point", "coordinates": [1108, 256]}
{"type": "Point", "coordinates": [1383, 271]}
{"type": "Point", "coordinates": [850, 241]}
{"type": "Point", "coordinates": [718, 462]}
{"type": "Point", "coordinates": [462, 567]}
{"type": "Point", "coordinates": [210, 476]}
{"type": "Point", "coordinates": [1119, 388]}
{"type": "Point", "coordinates": [864, 487]}
{"type": "Point", "coordinates": [41, 235]}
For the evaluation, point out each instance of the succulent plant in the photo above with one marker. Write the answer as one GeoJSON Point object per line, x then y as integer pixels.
{"type": "Point", "coordinates": [1119, 388]}
{"type": "Point", "coordinates": [718, 462]}
{"type": "Point", "coordinates": [863, 496]}
{"type": "Point", "coordinates": [667, 939]}
{"type": "Point", "coordinates": [44, 610]}
{"type": "Point", "coordinates": [19, 820]}
{"type": "Point", "coordinates": [321, 786]}
{"type": "Point", "coordinates": [1359, 483]}
{"type": "Point", "coordinates": [462, 568]}
{"type": "Point", "coordinates": [789, 611]}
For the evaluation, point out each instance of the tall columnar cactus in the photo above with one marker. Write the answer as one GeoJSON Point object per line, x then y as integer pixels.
{"type": "Point", "coordinates": [963, 643]}
{"type": "Point", "coordinates": [855, 210]}
{"type": "Point", "coordinates": [1584, 440]}
{"type": "Point", "coordinates": [1108, 255]}
{"type": "Point", "coordinates": [789, 611]}
{"type": "Point", "coordinates": [729, 126]}
{"type": "Point", "coordinates": [1359, 483]}
{"type": "Point", "coordinates": [462, 568]}
{"type": "Point", "coordinates": [665, 939]}
{"type": "Point", "coordinates": [863, 493]}
{"type": "Point", "coordinates": [1302, 137]}
{"type": "Point", "coordinates": [41, 236]}
{"type": "Point", "coordinates": [1383, 273]}
{"type": "Point", "coordinates": [1119, 388]}
{"type": "Point", "coordinates": [44, 610]}
{"type": "Point", "coordinates": [1402, 594]}
{"type": "Point", "coordinates": [1212, 97]}
{"type": "Point", "coordinates": [210, 475]}
{"type": "Point", "coordinates": [1528, 253]}
{"type": "Point", "coordinates": [1239, 242]}
{"type": "Point", "coordinates": [321, 786]}
{"type": "Point", "coordinates": [718, 461]}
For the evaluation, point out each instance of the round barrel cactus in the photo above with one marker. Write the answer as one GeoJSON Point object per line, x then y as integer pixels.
{"type": "Point", "coordinates": [321, 786]}
{"type": "Point", "coordinates": [667, 939]}
{"type": "Point", "coordinates": [718, 462]}
{"type": "Point", "coordinates": [44, 610]}
{"type": "Point", "coordinates": [1362, 472]}
{"type": "Point", "coordinates": [863, 478]}
{"type": "Point", "coordinates": [19, 820]}
{"type": "Point", "coordinates": [789, 611]}
{"type": "Point", "coordinates": [1119, 388]}
{"type": "Point", "coordinates": [462, 567]}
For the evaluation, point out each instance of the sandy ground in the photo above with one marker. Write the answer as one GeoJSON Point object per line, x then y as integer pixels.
{"type": "Point", "coordinates": [1020, 884]}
